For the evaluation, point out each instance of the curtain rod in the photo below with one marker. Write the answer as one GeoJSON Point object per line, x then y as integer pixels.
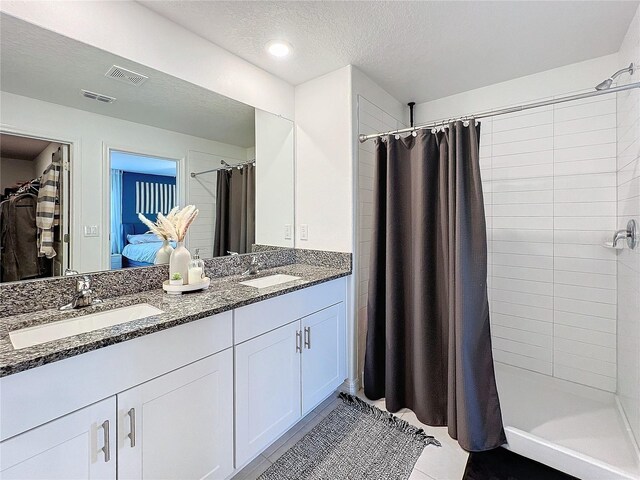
{"type": "Point", "coordinates": [503, 111]}
{"type": "Point", "coordinates": [226, 167]}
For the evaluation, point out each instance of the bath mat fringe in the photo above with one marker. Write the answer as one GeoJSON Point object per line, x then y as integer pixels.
{"type": "Point", "coordinates": [354, 441]}
{"type": "Point", "coordinates": [396, 422]}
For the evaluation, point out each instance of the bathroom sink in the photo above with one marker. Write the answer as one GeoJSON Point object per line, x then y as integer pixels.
{"type": "Point", "coordinates": [269, 281]}
{"type": "Point", "coordinates": [30, 336]}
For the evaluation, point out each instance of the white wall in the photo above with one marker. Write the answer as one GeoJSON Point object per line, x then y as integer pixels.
{"type": "Point", "coordinates": [628, 182]}
{"type": "Point", "coordinates": [324, 162]}
{"type": "Point", "coordinates": [13, 171]}
{"type": "Point", "coordinates": [90, 135]}
{"type": "Point", "coordinates": [43, 160]}
{"type": "Point", "coordinates": [274, 154]}
{"type": "Point", "coordinates": [328, 174]}
{"type": "Point", "coordinates": [130, 30]}
{"type": "Point", "coordinates": [549, 183]}
{"type": "Point", "coordinates": [569, 78]}
{"type": "Point", "coordinates": [376, 111]}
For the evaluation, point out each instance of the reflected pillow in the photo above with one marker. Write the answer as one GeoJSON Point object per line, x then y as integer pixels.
{"type": "Point", "coordinates": [143, 238]}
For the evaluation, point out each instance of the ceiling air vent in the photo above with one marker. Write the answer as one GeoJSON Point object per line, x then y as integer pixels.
{"type": "Point", "coordinates": [126, 76]}
{"type": "Point", "coordinates": [98, 96]}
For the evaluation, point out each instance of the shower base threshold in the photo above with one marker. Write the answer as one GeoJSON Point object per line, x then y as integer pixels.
{"type": "Point", "coordinates": [576, 429]}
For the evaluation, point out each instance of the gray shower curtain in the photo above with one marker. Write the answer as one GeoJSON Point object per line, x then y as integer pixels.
{"type": "Point", "coordinates": [235, 211]}
{"type": "Point", "coordinates": [428, 339]}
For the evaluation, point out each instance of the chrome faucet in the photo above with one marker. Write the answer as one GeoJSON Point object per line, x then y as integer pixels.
{"type": "Point", "coordinates": [254, 266]}
{"type": "Point", "coordinates": [83, 296]}
{"type": "Point", "coordinates": [630, 234]}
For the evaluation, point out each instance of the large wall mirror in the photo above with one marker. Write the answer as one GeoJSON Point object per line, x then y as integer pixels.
{"type": "Point", "coordinates": [88, 140]}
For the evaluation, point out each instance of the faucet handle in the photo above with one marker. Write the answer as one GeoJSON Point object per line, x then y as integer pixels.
{"type": "Point", "coordinates": [83, 283]}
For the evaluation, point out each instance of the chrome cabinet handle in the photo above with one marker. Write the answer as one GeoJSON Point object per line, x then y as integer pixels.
{"type": "Point", "coordinates": [106, 449]}
{"type": "Point", "coordinates": [307, 337]}
{"type": "Point", "coordinates": [298, 341]}
{"type": "Point", "coordinates": [132, 426]}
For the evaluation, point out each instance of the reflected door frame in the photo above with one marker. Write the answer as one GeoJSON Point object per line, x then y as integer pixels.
{"type": "Point", "coordinates": [107, 148]}
{"type": "Point", "coordinates": [73, 181]}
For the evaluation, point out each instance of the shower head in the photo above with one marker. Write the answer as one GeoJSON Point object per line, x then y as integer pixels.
{"type": "Point", "coordinates": [605, 85]}
{"type": "Point", "coordinates": [609, 81]}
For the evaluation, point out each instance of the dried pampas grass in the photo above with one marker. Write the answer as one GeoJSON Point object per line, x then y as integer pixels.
{"type": "Point", "coordinates": [174, 225]}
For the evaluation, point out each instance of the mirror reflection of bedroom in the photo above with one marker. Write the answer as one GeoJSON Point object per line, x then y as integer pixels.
{"type": "Point", "coordinates": [149, 186]}
{"type": "Point", "coordinates": [144, 185]}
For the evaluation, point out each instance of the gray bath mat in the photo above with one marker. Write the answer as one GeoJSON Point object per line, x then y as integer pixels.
{"type": "Point", "coordinates": [356, 441]}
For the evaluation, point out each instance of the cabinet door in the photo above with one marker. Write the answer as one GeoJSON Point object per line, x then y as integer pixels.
{"type": "Point", "coordinates": [323, 355]}
{"type": "Point", "coordinates": [267, 389]}
{"type": "Point", "coordinates": [179, 425]}
{"type": "Point", "coordinates": [80, 445]}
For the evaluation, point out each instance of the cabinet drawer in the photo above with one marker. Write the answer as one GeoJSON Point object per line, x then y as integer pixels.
{"type": "Point", "coordinates": [261, 317]}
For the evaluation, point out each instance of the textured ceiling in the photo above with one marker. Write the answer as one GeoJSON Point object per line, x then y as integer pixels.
{"type": "Point", "coordinates": [417, 51]}
{"type": "Point", "coordinates": [41, 64]}
{"type": "Point", "coordinates": [21, 148]}
{"type": "Point", "coordinates": [130, 162]}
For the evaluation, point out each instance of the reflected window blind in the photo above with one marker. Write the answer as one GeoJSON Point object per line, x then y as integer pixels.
{"type": "Point", "coordinates": [152, 197]}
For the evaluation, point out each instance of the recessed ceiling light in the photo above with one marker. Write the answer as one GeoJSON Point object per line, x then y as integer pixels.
{"type": "Point", "coordinates": [279, 48]}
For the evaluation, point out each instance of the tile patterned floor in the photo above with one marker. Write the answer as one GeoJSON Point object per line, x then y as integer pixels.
{"type": "Point", "coordinates": [444, 463]}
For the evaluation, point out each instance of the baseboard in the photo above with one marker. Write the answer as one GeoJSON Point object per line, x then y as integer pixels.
{"type": "Point", "coordinates": [350, 386]}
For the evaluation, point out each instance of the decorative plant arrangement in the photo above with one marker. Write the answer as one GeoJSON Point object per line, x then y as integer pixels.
{"type": "Point", "coordinates": [174, 226]}
{"type": "Point", "coordinates": [176, 279]}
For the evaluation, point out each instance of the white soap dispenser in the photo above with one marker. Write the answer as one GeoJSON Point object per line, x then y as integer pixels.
{"type": "Point", "coordinates": [196, 269]}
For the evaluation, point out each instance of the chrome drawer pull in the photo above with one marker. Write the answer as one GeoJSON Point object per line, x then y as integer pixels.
{"type": "Point", "coordinates": [307, 337]}
{"type": "Point", "coordinates": [132, 426]}
{"type": "Point", "coordinates": [106, 449]}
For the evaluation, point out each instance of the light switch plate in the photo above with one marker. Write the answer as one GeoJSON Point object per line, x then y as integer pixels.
{"type": "Point", "coordinates": [304, 232]}
{"type": "Point", "coordinates": [91, 231]}
{"type": "Point", "coordinates": [287, 231]}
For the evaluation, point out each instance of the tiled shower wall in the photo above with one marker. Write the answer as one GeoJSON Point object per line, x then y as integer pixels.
{"type": "Point", "coordinates": [371, 118]}
{"type": "Point", "coordinates": [628, 178]}
{"type": "Point", "coordinates": [550, 197]}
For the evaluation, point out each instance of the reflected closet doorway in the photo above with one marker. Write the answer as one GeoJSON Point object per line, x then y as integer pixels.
{"type": "Point", "coordinates": [27, 163]}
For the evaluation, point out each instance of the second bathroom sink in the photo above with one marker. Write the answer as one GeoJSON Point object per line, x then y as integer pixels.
{"type": "Point", "coordinates": [269, 281]}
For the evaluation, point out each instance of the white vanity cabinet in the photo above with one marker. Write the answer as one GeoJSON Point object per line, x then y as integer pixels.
{"type": "Point", "coordinates": [79, 445]}
{"type": "Point", "coordinates": [179, 425]}
{"type": "Point", "coordinates": [196, 401]}
{"type": "Point", "coordinates": [179, 383]}
{"type": "Point", "coordinates": [283, 373]}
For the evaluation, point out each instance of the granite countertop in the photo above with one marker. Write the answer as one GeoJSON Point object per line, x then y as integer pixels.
{"type": "Point", "coordinates": [224, 294]}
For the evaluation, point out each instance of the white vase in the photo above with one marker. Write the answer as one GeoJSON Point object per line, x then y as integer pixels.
{"type": "Point", "coordinates": [179, 262]}
{"type": "Point", "coordinates": [164, 253]}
